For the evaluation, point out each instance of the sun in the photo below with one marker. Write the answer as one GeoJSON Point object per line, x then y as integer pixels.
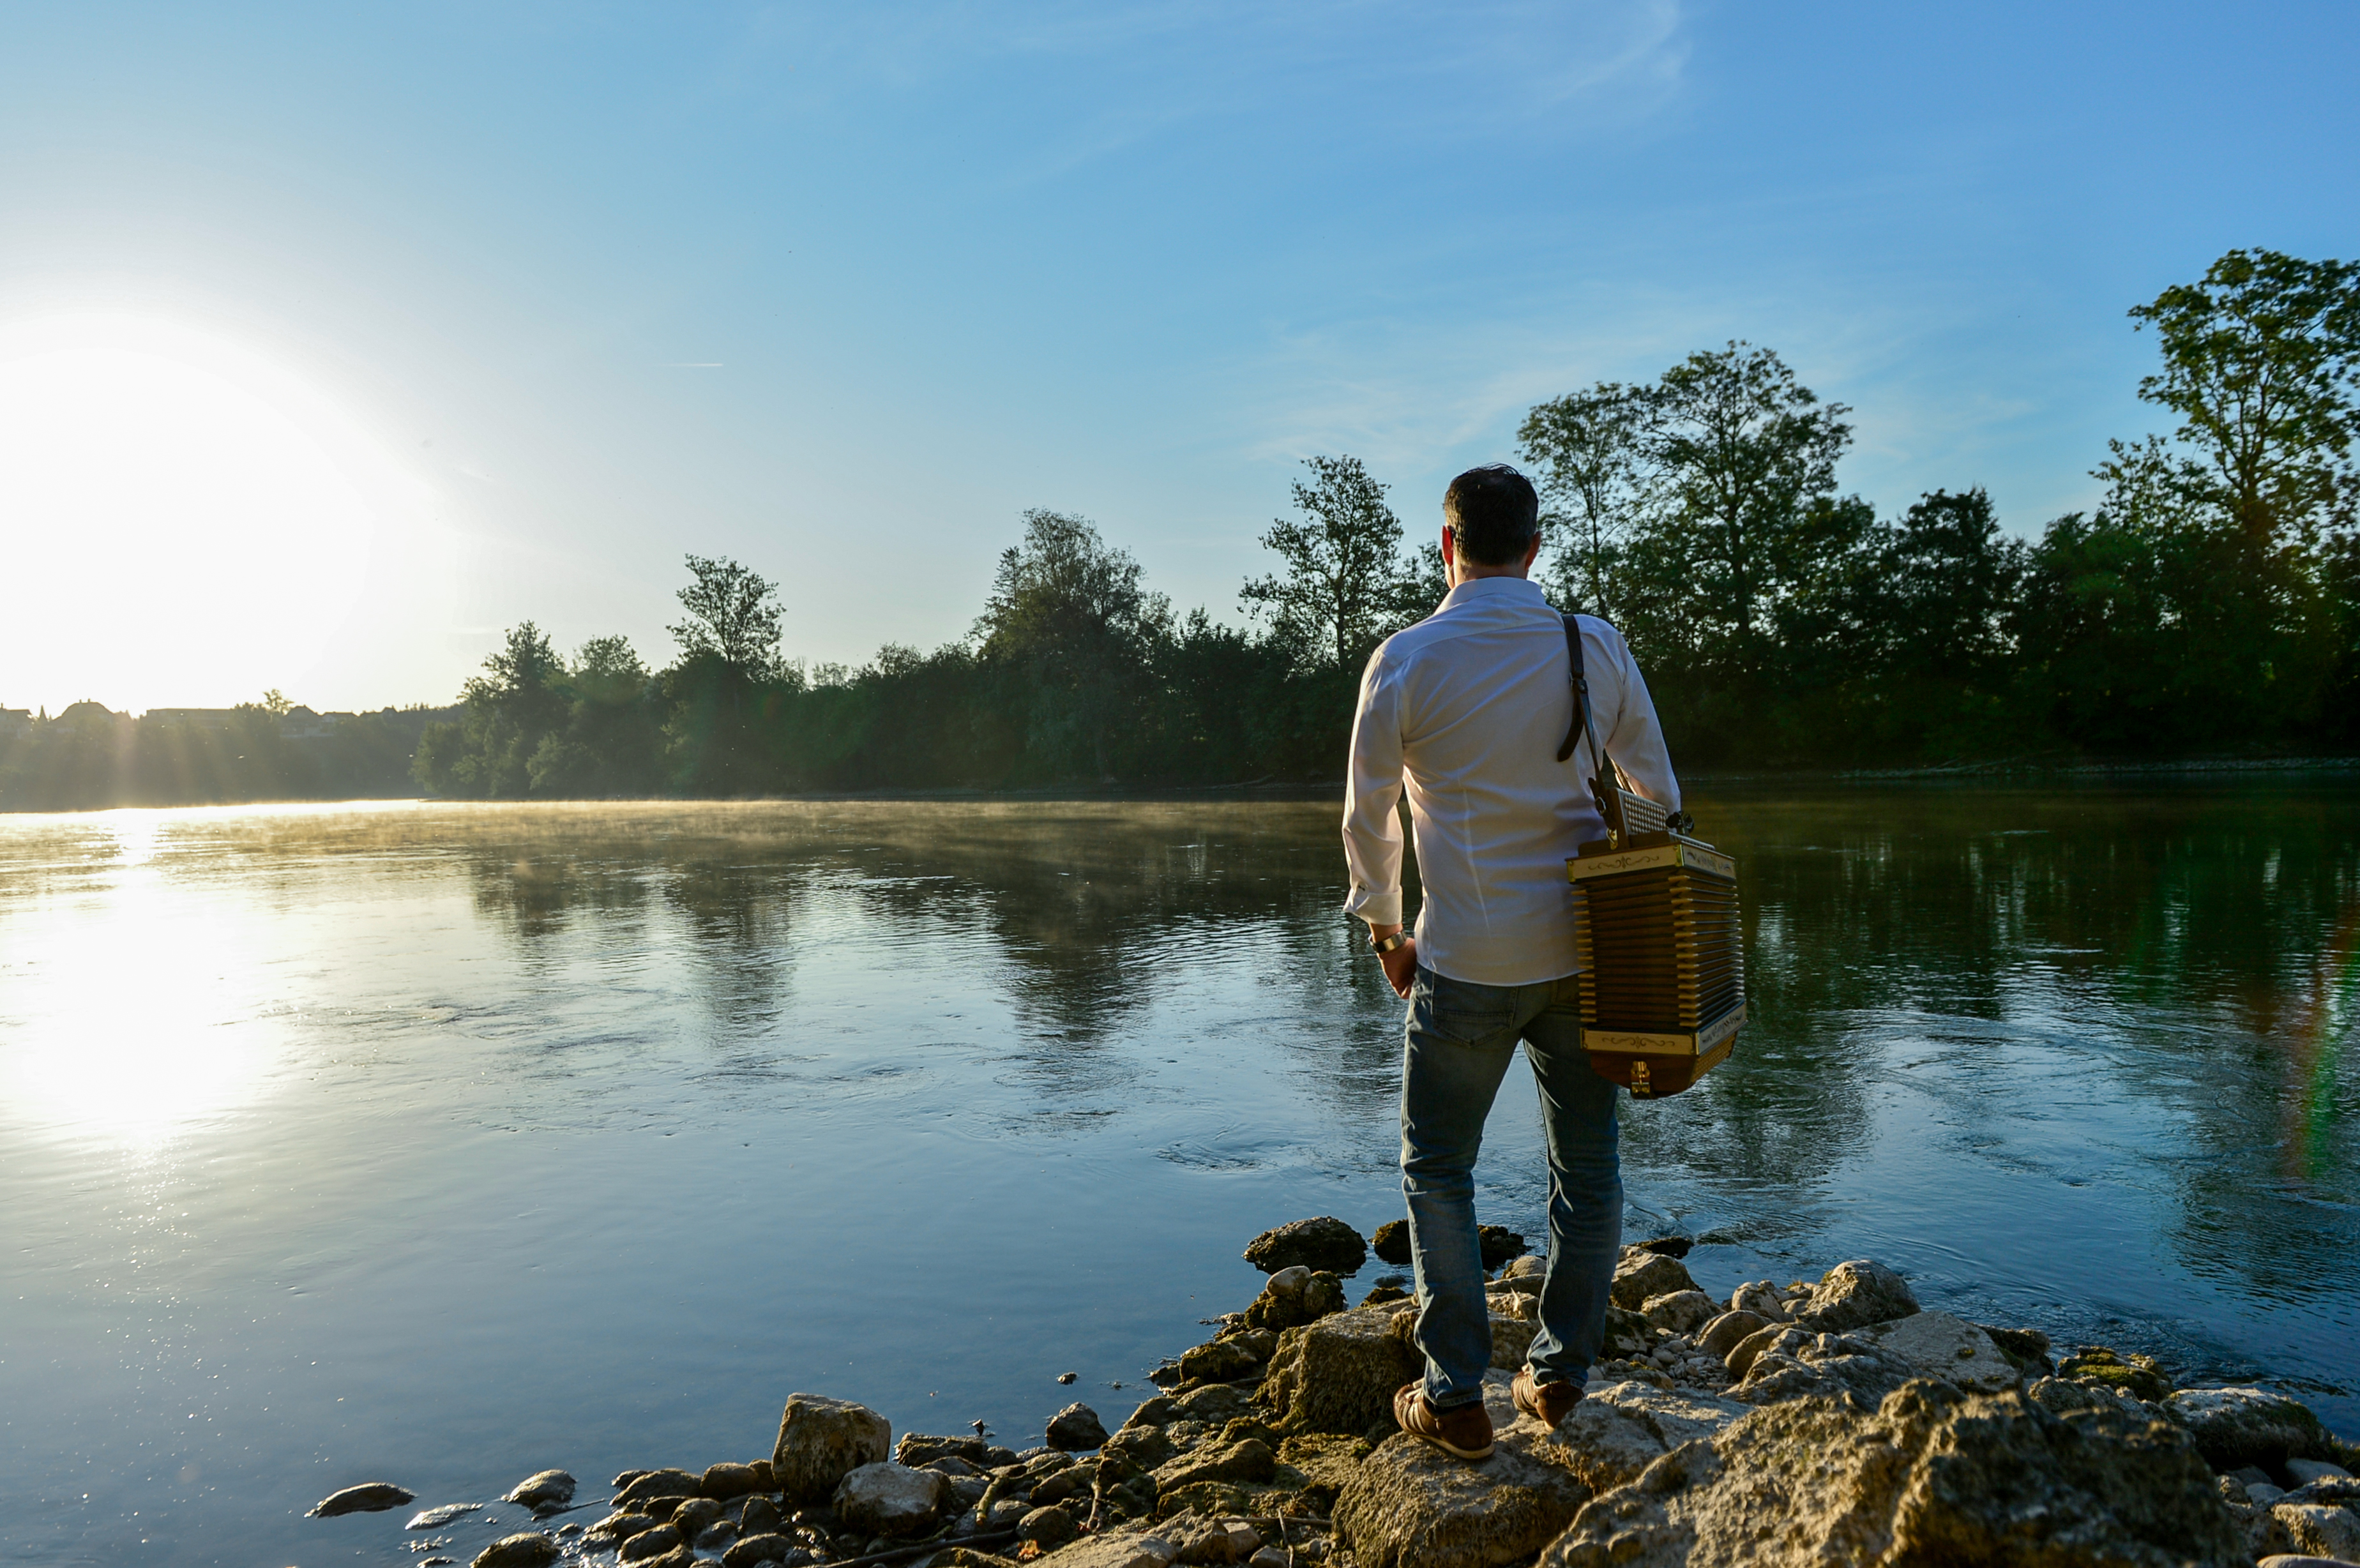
{"type": "Point", "coordinates": [182, 521]}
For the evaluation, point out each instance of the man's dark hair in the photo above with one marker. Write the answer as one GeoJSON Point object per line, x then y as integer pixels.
{"type": "Point", "coordinates": [1493, 512]}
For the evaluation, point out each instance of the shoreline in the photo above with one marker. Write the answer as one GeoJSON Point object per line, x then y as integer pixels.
{"type": "Point", "coordinates": [1887, 1430]}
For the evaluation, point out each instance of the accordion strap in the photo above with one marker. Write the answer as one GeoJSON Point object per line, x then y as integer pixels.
{"type": "Point", "coordinates": [1579, 728]}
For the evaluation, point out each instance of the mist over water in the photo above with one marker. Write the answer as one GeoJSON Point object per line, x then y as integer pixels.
{"type": "Point", "coordinates": [438, 1145]}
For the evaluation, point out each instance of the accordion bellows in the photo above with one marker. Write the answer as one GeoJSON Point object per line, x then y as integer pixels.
{"type": "Point", "coordinates": [1663, 967]}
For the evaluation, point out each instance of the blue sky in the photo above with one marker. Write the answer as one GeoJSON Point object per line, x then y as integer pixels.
{"type": "Point", "coordinates": [839, 290]}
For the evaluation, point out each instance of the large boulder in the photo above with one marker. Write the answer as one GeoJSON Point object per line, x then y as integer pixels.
{"type": "Point", "coordinates": [2322, 1530]}
{"type": "Point", "coordinates": [1324, 1244]}
{"type": "Point", "coordinates": [1512, 1340]}
{"type": "Point", "coordinates": [1722, 1334]}
{"type": "Point", "coordinates": [1952, 1349]}
{"type": "Point", "coordinates": [1247, 1459]}
{"type": "Point", "coordinates": [2236, 1427]}
{"type": "Point", "coordinates": [1853, 1295]}
{"type": "Point", "coordinates": [1618, 1430]}
{"type": "Point", "coordinates": [648, 1485]}
{"type": "Point", "coordinates": [1295, 1296]}
{"type": "Point", "coordinates": [1409, 1504]}
{"type": "Point", "coordinates": [1760, 1298]}
{"type": "Point", "coordinates": [822, 1440]}
{"type": "Point", "coordinates": [370, 1498]}
{"type": "Point", "coordinates": [1682, 1312]}
{"type": "Point", "coordinates": [890, 1499]}
{"type": "Point", "coordinates": [1391, 1242]}
{"type": "Point", "coordinates": [1218, 1361]}
{"type": "Point", "coordinates": [1339, 1374]}
{"type": "Point", "coordinates": [918, 1448]}
{"type": "Point", "coordinates": [1075, 1430]}
{"type": "Point", "coordinates": [1499, 1244]}
{"type": "Point", "coordinates": [1640, 1277]}
{"type": "Point", "coordinates": [1796, 1364]}
{"type": "Point", "coordinates": [529, 1549]}
{"type": "Point", "coordinates": [728, 1480]}
{"type": "Point", "coordinates": [1932, 1476]}
{"type": "Point", "coordinates": [542, 1489]}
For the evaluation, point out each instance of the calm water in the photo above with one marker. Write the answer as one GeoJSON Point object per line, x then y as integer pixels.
{"type": "Point", "coordinates": [438, 1145]}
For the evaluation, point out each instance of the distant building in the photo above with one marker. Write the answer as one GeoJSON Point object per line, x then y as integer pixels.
{"type": "Point", "coordinates": [15, 722]}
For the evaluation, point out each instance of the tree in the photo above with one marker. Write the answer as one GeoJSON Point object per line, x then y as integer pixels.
{"type": "Point", "coordinates": [1070, 630]}
{"type": "Point", "coordinates": [1590, 449]}
{"type": "Point", "coordinates": [733, 616]}
{"type": "Point", "coordinates": [1740, 445]}
{"type": "Point", "coordinates": [1343, 587]}
{"type": "Point", "coordinates": [516, 703]}
{"type": "Point", "coordinates": [2259, 361]}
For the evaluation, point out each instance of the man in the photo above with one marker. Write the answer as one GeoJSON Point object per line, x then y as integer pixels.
{"type": "Point", "coordinates": [1468, 709]}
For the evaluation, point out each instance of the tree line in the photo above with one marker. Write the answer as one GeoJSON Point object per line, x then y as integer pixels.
{"type": "Point", "coordinates": [2210, 604]}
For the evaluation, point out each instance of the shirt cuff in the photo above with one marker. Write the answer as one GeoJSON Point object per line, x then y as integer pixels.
{"type": "Point", "coordinates": [1379, 908]}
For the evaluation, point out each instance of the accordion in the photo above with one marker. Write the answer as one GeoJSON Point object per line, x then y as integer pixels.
{"type": "Point", "coordinates": [1663, 965]}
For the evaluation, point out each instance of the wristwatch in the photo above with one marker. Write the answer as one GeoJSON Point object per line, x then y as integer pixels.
{"type": "Point", "coordinates": [1382, 945]}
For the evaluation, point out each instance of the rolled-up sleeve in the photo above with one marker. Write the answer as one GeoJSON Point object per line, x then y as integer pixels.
{"type": "Point", "coordinates": [1637, 742]}
{"type": "Point", "coordinates": [1373, 832]}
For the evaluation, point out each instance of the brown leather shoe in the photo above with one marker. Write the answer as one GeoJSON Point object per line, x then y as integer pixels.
{"type": "Point", "coordinates": [1547, 1403]}
{"type": "Point", "coordinates": [1463, 1433]}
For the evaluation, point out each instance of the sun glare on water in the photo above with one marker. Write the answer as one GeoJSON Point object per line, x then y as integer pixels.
{"type": "Point", "coordinates": [182, 521]}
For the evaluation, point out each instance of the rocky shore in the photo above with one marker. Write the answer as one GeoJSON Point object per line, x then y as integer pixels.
{"type": "Point", "coordinates": [1826, 1421]}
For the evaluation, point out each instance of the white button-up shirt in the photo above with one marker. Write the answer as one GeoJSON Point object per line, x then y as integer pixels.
{"type": "Point", "coordinates": [1466, 709]}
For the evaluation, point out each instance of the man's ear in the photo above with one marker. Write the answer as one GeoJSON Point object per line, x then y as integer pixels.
{"type": "Point", "coordinates": [1533, 550]}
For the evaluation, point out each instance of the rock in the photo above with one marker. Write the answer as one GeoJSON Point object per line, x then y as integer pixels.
{"type": "Point", "coordinates": [2026, 1349]}
{"type": "Point", "coordinates": [727, 1481]}
{"type": "Point", "coordinates": [716, 1537]}
{"type": "Point", "coordinates": [1796, 1364]}
{"type": "Point", "coordinates": [1722, 1335]}
{"type": "Point", "coordinates": [1618, 1430]}
{"type": "Point", "coordinates": [436, 1517]}
{"type": "Point", "coordinates": [752, 1549]}
{"type": "Point", "coordinates": [1159, 1410]}
{"type": "Point", "coordinates": [892, 1500]}
{"type": "Point", "coordinates": [654, 1542]}
{"type": "Point", "coordinates": [1249, 1459]}
{"type": "Point", "coordinates": [1409, 1504]}
{"type": "Point", "coordinates": [1759, 1297]}
{"type": "Point", "coordinates": [2249, 1426]}
{"type": "Point", "coordinates": [2277, 1560]}
{"type": "Point", "coordinates": [822, 1440]}
{"type": "Point", "coordinates": [1206, 1542]}
{"type": "Point", "coordinates": [1324, 1244]}
{"type": "Point", "coordinates": [695, 1517]}
{"type": "Point", "coordinates": [759, 1515]}
{"type": "Point", "coordinates": [1682, 1312]}
{"type": "Point", "coordinates": [1118, 1551]}
{"type": "Point", "coordinates": [2140, 1377]}
{"type": "Point", "coordinates": [1213, 1404]}
{"type": "Point", "coordinates": [1531, 1266]}
{"type": "Point", "coordinates": [2262, 1532]}
{"type": "Point", "coordinates": [651, 1484]}
{"type": "Point", "coordinates": [1742, 1355]}
{"type": "Point", "coordinates": [2321, 1530]}
{"type": "Point", "coordinates": [530, 1550]}
{"type": "Point", "coordinates": [1939, 1346]}
{"type": "Point", "coordinates": [621, 1527]}
{"type": "Point", "coordinates": [1500, 1244]}
{"type": "Point", "coordinates": [1930, 1477]}
{"type": "Point", "coordinates": [1222, 1361]}
{"type": "Point", "coordinates": [1294, 1297]}
{"type": "Point", "coordinates": [1641, 1276]}
{"type": "Point", "coordinates": [1049, 1528]}
{"type": "Point", "coordinates": [624, 1478]}
{"type": "Point", "coordinates": [1392, 1243]}
{"type": "Point", "coordinates": [1853, 1295]}
{"type": "Point", "coordinates": [1626, 1332]}
{"type": "Point", "coordinates": [2305, 1471]}
{"type": "Point", "coordinates": [1271, 1557]}
{"type": "Point", "coordinates": [544, 1490]}
{"type": "Point", "coordinates": [1146, 1446]}
{"type": "Point", "coordinates": [370, 1498]}
{"type": "Point", "coordinates": [1512, 1340]}
{"type": "Point", "coordinates": [1670, 1246]}
{"type": "Point", "coordinates": [1076, 1429]}
{"type": "Point", "coordinates": [916, 1449]}
{"type": "Point", "coordinates": [968, 1557]}
{"type": "Point", "coordinates": [1338, 1374]}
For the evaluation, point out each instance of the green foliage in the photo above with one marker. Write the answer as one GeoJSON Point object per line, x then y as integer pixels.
{"type": "Point", "coordinates": [1346, 586]}
{"type": "Point", "coordinates": [2210, 604]}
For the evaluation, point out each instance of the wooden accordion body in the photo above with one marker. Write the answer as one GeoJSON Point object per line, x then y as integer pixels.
{"type": "Point", "coordinates": [1663, 967]}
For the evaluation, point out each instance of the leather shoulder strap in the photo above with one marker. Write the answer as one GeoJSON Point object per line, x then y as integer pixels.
{"type": "Point", "coordinates": [1581, 726]}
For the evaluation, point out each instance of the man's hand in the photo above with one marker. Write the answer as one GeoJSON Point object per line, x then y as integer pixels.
{"type": "Point", "coordinates": [1401, 964]}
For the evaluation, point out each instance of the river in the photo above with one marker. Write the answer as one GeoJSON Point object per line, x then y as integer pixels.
{"type": "Point", "coordinates": [439, 1144]}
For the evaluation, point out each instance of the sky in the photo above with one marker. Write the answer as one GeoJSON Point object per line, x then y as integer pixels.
{"type": "Point", "coordinates": [335, 340]}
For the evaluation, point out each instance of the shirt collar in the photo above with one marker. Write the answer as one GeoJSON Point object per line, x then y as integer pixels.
{"type": "Point", "coordinates": [1510, 588]}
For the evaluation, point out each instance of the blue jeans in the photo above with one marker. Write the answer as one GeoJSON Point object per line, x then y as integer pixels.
{"type": "Point", "coordinates": [1460, 1039]}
